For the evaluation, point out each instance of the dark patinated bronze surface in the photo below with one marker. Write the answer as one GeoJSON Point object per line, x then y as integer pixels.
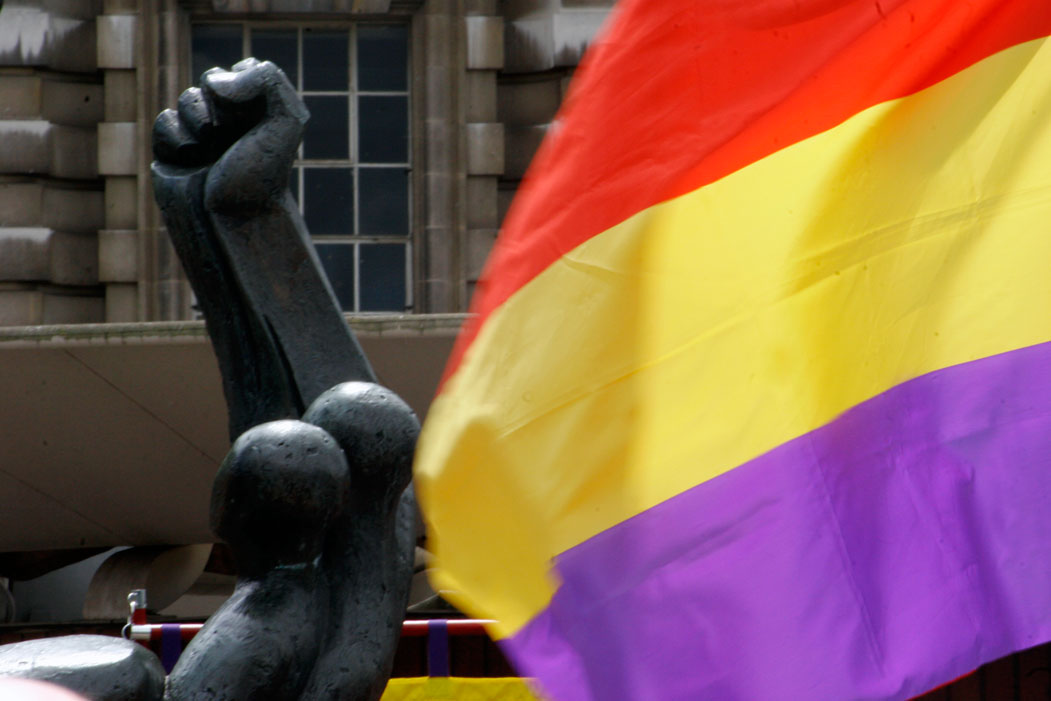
{"type": "Point", "coordinates": [96, 666]}
{"type": "Point", "coordinates": [318, 511]}
{"type": "Point", "coordinates": [314, 497]}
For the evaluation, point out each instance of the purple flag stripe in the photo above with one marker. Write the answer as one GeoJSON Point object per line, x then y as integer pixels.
{"type": "Point", "coordinates": [898, 547]}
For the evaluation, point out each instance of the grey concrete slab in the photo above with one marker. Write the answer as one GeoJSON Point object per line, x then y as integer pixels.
{"type": "Point", "coordinates": [110, 434]}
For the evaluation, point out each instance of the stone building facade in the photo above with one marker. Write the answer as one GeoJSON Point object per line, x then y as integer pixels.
{"type": "Point", "coordinates": [426, 114]}
{"type": "Point", "coordinates": [409, 227]}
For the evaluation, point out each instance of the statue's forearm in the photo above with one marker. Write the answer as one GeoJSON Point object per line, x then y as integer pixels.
{"type": "Point", "coordinates": [255, 382]}
{"type": "Point", "coordinates": [280, 276]}
{"type": "Point", "coordinates": [276, 326]}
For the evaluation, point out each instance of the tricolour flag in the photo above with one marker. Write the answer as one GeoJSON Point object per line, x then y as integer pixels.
{"type": "Point", "coordinates": [757, 398]}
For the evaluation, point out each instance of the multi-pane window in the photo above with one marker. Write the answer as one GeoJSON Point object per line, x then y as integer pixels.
{"type": "Point", "coordinates": [352, 174]}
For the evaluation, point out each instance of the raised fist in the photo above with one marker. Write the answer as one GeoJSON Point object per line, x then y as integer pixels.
{"type": "Point", "coordinates": [223, 158]}
{"type": "Point", "coordinates": [245, 123]}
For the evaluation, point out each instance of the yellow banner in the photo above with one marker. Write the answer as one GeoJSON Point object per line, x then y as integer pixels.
{"type": "Point", "coordinates": [459, 689]}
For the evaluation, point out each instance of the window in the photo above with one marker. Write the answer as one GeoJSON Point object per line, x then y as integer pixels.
{"type": "Point", "coordinates": [352, 175]}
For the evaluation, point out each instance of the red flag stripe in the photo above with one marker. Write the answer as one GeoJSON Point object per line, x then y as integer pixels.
{"type": "Point", "coordinates": [680, 94]}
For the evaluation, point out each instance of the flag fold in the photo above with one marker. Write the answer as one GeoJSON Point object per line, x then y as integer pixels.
{"type": "Point", "coordinates": [756, 398]}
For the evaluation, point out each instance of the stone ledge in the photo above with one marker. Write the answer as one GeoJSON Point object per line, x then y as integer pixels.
{"type": "Point", "coordinates": [297, 6]}
{"type": "Point", "coordinates": [446, 325]}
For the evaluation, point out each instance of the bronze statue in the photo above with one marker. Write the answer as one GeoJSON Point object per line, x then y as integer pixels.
{"type": "Point", "coordinates": [318, 512]}
{"type": "Point", "coordinates": [314, 497]}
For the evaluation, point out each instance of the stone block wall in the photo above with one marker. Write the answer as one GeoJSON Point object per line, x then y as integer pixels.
{"type": "Point", "coordinates": [81, 80]}
{"type": "Point", "coordinates": [118, 52]}
{"type": "Point", "coordinates": [484, 136]}
{"type": "Point", "coordinates": [51, 197]}
{"type": "Point", "coordinates": [544, 41]}
{"type": "Point", "coordinates": [80, 237]}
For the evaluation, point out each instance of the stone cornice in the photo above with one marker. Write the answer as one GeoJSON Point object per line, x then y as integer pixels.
{"type": "Point", "coordinates": [301, 9]}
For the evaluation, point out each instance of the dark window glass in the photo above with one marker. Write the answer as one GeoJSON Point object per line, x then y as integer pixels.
{"type": "Point", "coordinates": [325, 57]}
{"type": "Point", "coordinates": [383, 57]}
{"type": "Point", "coordinates": [384, 198]}
{"type": "Point", "coordinates": [328, 202]}
{"type": "Point", "coordinates": [345, 183]}
{"type": "Point", "coordinates": [382, 274]}
{"type": "Point", "coordinates": [326, 134]}
{"type": "Point", "coordinates": [383, 129]}
{"type": "Point", "coordinates": [338, 261]}
{"type": "Point", "coordinates": [278, 46]}
{"type": "Point", "coordinates": [215, 45]}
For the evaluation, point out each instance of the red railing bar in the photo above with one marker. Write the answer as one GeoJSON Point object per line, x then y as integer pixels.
{"type": "Point", "coordinates": [409, 629]}
{"type": "Point", "coordinates": [455, 626]}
